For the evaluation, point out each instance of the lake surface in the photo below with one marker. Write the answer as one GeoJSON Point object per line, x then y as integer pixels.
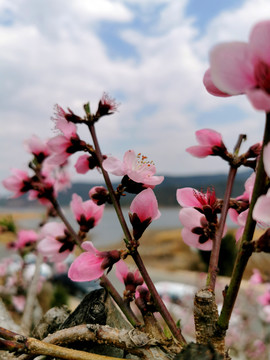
{"type": "Point", "coordinates": [108, 230]}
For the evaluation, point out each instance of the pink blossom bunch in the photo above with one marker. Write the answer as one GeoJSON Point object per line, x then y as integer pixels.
{"type": "Point", "coordinates": [87, 213]}
{"type": "Point", "coordinates": [91, 264]}
{"type": "Point", "coordinates": [242, 68]}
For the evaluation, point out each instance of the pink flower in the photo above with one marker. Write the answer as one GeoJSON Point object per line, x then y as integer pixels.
{"type": "Point", "coordinates": [56, 243]}
{"type": "Point", "coordinates": [243, 68]}
{"type": "Point", "coordinates": [196, 232]}
{"type": "Point", "coordinates": [91, 264]}
{"type": "Point", "coordinates": [100, 195]}
{"type": "Point", "coordinates": [249, 185]}
{"type": "Point", "coordinates": [82, 164]}
{"type": "Point", "coordinates": [143, 209]}
{"type": "Point", "coordinates": [135, 167]}
{"type": "Point", "coordinates": [37, 147]}
{"type": "Point", "coordinates": [85, 163]}
{"type": "Point", "coordinates": [189, 197]}
{"type": "Point", "coordinates": [210, 143]}
{"type": "Point", "coordinates": [106, 106]}
{"type": "Point", "coordinates": [25, 238]}
{"type": "Point", "coordinates": [62, 146]}
{"type": "Point", "coordinates": [145, 205]}
{"type": "Point", "coordinates": [19, 182]}
{"type": "Point", "coordinates": [87, 213]}
{"type": "Point", "coordinates": [131, 279]}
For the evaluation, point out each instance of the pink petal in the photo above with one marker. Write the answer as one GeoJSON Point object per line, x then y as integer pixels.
{"type": "Point", "coordinates": [208, 137]}
{"type": "Point", "coordinates": [114, 166]}
{"type": "Point", "coordinates": [76, 205]}
{"type": "Point", "coordinates": [210, 87]}
{"type": "Point", "coordinates": [266, 159]}
{"type": "Point", "coordinates": [88, 246]}
{"type": "Point", "coordinates": [68, 128]}
{"type": "Point", "coordinates": [193, 240]}
{"type": "Point", "coordinates": [233, 215]}
{"type": "Point", "coordinates": [259, 99]}
{"type": "Point", "coordinates": [121, 270]}
{"type": "Point", "coordinates": [231, 68]}
{"type": "Point", "coordinates": [53, 229]}
{"type": "Point", "coordinates": [261, 211]}
{"type": "Point", "coordinates": [85, 267]}
{"type": "Point", "coordinates": [82, 164]}
{"type": "Point", "coordinates": [130, 159]}
{"type": "Point", "coordinates": [186, 197]}
{"type": "Point", "coordinates": [58, 143]}
{"type": "Point", "coordinates": [242, 218]}
{"type": "Point", "coordinates": [49, 246]}
{"type": "Point", "coordinates": [145, 205]}
{"type": "Point", "coordinates": [57, 159]}
{"type": "Point", "coordinates": [259, 41]}
{"type": "Point", "coordinates": [200, 151]}
{"type": "Point", "coordinates": [239, 233]}
{"type": "Point", "coordinates": [190, 218]}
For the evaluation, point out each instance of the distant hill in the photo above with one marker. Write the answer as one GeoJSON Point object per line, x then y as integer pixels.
{"type": "Point", "coordinates": [165, 192]}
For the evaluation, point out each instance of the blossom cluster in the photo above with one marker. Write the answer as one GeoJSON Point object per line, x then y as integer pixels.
{"type": "Point", "coordinates": [235, 68]}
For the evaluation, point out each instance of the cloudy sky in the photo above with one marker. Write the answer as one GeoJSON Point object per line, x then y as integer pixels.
{"type": "Point", "coordinates": [150, 55]}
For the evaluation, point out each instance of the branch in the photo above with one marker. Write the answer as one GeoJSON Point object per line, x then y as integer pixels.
{"type": "Point", "coordinates": [134, 341]}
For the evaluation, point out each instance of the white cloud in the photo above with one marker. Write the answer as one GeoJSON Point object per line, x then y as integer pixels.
{"type": "Point", "coordinates": [52, 52]}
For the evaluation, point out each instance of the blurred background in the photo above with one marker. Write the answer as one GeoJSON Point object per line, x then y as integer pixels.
{"type": "Point", "coordinates": [150, 55]}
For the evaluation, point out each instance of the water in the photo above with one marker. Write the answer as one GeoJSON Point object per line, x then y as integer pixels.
{"type": "Point", "coordinates": [108, 230]}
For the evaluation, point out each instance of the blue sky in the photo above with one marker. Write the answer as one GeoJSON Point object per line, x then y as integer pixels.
{"type": "Point", "coordinates": [148, 54]}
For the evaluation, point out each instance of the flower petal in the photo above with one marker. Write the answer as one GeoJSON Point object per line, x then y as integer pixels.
{"type": "Point", "coordinates": [85, 267]}
{"type": "Point", "coordinates": [199, 151]}
{"type": "Point", "coordinates": [259, 41]}
{"type": "Point", "coordinates": [231, 67]}
{"type": "Point", "coordinates": [261, 211]}
{"type": "Point", "coordinates": [186, 197]}
{"type": "Point", "coordinates": [208, 137]}
{"type": "Point", "coordinates": [190, 218]}
{"type": "Point", "coordinates": [193, 240]}
{"type": "Point", "coordinates": [210, 86]}
{"type": "Point", "coordinates": [259, 99]}
{"type": "Point", "coordinates": [145, 205]}
{"type": "Point", "coordinates": [114, 166]}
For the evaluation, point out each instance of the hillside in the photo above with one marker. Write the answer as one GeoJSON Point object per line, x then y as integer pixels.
{"type": "Point", "coordinates": [165, 192]}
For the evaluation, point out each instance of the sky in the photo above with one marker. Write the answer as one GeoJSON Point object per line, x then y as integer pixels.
{"type": "Point", "coordinates": [150, 55]}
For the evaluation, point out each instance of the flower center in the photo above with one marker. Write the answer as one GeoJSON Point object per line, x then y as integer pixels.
{"type": "Point", "coordinates": [142, 162]}
{"type": "Point", "coordinates": [262, 76]}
